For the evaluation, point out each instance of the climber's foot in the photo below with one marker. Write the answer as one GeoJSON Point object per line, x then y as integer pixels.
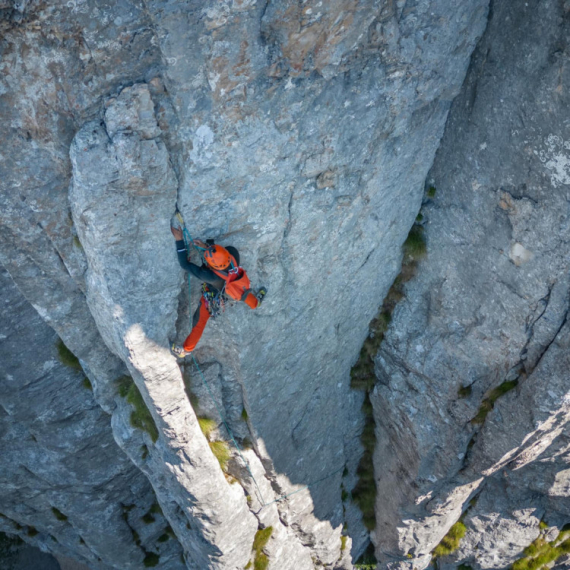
{"type": "Point", "coordinates": [261, 294]}
{"type": "Point", "coordinates": [179, 351]}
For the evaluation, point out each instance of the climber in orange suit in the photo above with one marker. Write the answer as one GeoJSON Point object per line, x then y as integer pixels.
{"type": "Point", "coordinates": [222, 278]}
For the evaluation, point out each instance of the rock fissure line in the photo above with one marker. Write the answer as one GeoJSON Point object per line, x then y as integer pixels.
{"type": "Point", "coordinates": [543, 352]}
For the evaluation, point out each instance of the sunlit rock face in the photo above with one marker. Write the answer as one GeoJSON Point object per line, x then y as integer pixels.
{"type": "Point", "coordinates": [301, 134]}
{"type": "Point", "coordinates": [488, 309]}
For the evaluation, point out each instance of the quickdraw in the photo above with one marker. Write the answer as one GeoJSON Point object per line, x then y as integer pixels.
{"type": "Point", "coordinates": [215, 302]}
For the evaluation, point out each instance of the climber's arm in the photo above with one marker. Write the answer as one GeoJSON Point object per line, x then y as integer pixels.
{"type": "Point", "coordinates": [202, 273]}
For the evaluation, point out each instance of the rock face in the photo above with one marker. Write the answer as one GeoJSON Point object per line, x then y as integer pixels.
{"type": "Point", "coordinates": [122, 194]}
{"type": "Point", "coordinates": [66, 485]}
{"type": "Point", "coordinates": [301, 134]}
{"type": "Point", "coordinates": [488, 309]}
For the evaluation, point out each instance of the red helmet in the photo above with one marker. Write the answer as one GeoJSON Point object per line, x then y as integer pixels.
{"type": "Point", "coordinates": [217, 257]}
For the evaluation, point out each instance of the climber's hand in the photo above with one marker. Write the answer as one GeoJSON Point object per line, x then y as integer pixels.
{"type": "Point", "coordinates": [200, 243]}
{"type": "Point", "coordinates": [177, 233]}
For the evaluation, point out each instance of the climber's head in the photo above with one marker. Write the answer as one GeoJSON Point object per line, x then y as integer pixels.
{"type": "Point", "coordinates": [217, 257]}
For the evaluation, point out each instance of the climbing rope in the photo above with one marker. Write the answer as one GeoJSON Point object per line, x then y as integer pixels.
{"type": "Point", "coordinates": [187, 242]}
{"type": "Point", "coordinates": [187, 237]}
{"type": "Point", "coordinates": [218, 302]}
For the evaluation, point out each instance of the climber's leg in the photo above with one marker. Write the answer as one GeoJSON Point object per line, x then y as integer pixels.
{"type": "Point", "coordinates": [199, 320]}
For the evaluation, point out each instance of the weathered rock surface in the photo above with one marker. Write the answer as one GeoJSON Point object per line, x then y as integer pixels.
{"type": "Point", "coordinates": [66, 485]}
{"type": "Point", "coordinates": [489, 305]}
{"type": "Point", "coordinates": [122, 194]}
{"type": "Point", "coordinates": [302, 169]}
{"type": "Point", "coordinates": [18, 555]}
{"type": "Point", "coordinates": [302, 135]}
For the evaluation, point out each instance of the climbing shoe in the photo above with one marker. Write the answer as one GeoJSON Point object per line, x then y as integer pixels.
{"type": "Point", "coordinates": [261, 294]}
{"type": "Point", "coordinates": [179, 351]}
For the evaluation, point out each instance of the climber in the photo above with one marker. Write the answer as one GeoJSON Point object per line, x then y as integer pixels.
{"type": "Point", "coordinates": [222, 278]}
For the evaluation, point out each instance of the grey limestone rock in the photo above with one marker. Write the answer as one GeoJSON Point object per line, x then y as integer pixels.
{"type": "Point", "coordinates": [299, 133]}
{"type": "Point", "coordinates": [488, 308]}
{"type": "Point", "coordinates": [122, 195]}
{"type": "Point", "coordinates": [65, 482]}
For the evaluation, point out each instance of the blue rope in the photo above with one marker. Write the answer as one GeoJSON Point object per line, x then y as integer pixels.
{"type": "Point", "coordinates": [187, 241]}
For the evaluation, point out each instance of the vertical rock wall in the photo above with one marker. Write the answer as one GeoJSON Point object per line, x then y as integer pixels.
{"type": "Point", "coordinates": [488, 310]}
{"type": "Point", "coordinates": [302, 135]}
{"type": "Point", "coordinates": [66, 485]}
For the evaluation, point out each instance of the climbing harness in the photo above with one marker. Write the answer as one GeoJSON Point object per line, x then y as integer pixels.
{"type": "Point", "coordinates": [216, 300]}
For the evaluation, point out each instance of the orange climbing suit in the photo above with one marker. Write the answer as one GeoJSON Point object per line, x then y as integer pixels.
{"type": "Point", "coordinates": [237, 287]}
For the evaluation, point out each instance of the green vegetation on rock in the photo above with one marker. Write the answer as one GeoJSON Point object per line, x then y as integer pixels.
{"type": "Point", "coordinates": [488, 403]}
{"type": "Point", "coordinates": [156, 508]}
{"type": "Point", "coordinates": [167, 534]}
{"type": "Point", "coordinates": [207, 425]}
{"type": "Point", "coordinates": [87, 384]}
{"type": "Point", "coordinates": [123, 383]}
{"type": "Point", "coordinates": [221, 452]}
{"type": "Point", "coordinates": [464, 391]}
{"type": "Point", "coordinates": [67, 357]}
{"type": "Point", "coordinates": [450, 542]}
{"type": "Point", "coordinates": [363, 377]}
{"type": "Point", "coordinates": [540, 552]}
{"type": "Point", "coordinates": [415, 244]}
{"type": "Point", "coordinates": [141, 417]}
{"type": "Point", "coordinates": [431, 191]}
{"type": "Point", "coordinates": [134, 533]}
{"type": "Point", "coordinates": [148, 517]}
{"type": "Point", "coordinates": [368, 560]}
{"type": "Point", "coordinates": [260, 560]}
{"type": "Point", "coordinates": [364, 492]}
{"type": "Point", "coordinates": [151, 559]}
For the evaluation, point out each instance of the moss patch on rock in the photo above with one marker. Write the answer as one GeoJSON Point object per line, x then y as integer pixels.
{"type": "Point", "coordinates": [221, 452]}
{"type": "Point", "coordinates": [488, 403]}
{"type": "Point", "coordinates": [260, 559]}
{"type": "Point", "coordinates": [540, 552]}
{"type": "Point", "coordinates": [207, 425]}
{"type": "Point", "coordinates": [141, 417]}
{"type": "Point", "coordinates": [450, 542]}
{"type": "Point", "coordinates": [67, 357]}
